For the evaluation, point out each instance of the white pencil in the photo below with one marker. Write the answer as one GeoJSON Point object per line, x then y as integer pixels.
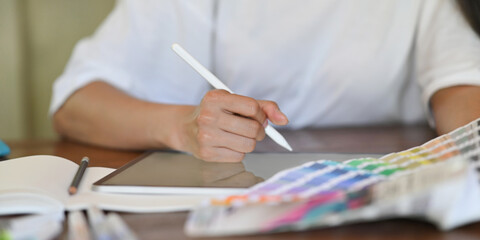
{"type": "Point", "coordinates": [216, 83]}
{"type": "Point", "coordinates": [77, 226]}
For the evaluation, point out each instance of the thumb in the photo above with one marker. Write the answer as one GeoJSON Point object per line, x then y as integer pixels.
{"type": "Point", "coordinates": [273, 112]}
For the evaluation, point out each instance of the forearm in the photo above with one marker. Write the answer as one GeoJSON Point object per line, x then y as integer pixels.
{"type": "Point", "coordinates": [102, 115]}
{"type": "Point", "coordinates": [455, 106]}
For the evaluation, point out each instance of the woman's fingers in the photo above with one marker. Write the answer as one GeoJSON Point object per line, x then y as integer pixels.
{"type": "Point", "coordinates": [242, 126]}
{"type": "Point", "coordinates": [236, 104]}
{"type": "Point", "coordinates": [217, 138]}
{"type": "Point", "coordinates": [227, 125]}
{"type": "Point", "coordinates": [273, 112]}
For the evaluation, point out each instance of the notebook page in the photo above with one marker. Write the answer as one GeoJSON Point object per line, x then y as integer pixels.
{"type": "Point", "coordinates": [28, 184]}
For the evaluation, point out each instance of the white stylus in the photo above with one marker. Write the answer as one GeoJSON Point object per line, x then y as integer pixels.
{"type": "Point", "coordinates": [216, 83]}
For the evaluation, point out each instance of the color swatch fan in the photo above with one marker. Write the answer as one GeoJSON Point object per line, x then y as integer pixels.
{"type": "Point", "coordinates": [436, 181]}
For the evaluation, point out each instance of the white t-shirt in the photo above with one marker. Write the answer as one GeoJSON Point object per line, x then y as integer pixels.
{"type": "Point", "coordinates": [326, 63]}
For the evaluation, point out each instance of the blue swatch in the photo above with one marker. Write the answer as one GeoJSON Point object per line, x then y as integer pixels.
{"type": "Point", "coordinates": [4, 149]}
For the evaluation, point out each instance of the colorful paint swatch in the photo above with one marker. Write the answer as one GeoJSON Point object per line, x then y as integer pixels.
{"type": "Point", "coordinates": [324, 192]}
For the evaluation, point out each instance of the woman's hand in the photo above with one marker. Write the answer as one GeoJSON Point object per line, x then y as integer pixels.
{"type": "Point", "coordinates": [226, 126]}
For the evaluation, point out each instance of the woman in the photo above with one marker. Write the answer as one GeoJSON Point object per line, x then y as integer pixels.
{"type": "Point", "coordinates": [325, 63]}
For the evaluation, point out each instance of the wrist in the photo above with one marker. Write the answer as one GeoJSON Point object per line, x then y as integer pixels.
{"type": "Point", "coordinates": [171, 129]}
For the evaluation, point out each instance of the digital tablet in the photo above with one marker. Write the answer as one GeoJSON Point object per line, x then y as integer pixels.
{"type": "Point", "coordinates": [180, 173]}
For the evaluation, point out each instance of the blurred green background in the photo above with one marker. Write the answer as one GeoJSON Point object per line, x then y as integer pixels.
{"type": "Point", "coordinates": [36, 40]}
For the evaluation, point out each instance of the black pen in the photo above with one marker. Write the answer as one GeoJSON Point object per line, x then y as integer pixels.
{"type": "Point", "coordinates": [78, 176]}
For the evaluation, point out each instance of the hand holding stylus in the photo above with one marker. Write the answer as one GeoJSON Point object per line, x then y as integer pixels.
{"type": "Point", "coordinates": [225, 126]}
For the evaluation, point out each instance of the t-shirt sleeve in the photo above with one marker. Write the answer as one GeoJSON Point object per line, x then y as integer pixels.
{"type": "Point", "coordinates": [113, 54]}
{"type": "Point", "coordinates": [447, 50]}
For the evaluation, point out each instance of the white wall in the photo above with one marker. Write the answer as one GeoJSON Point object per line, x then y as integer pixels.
{"type": "Point", "coordinates": [36, 40]}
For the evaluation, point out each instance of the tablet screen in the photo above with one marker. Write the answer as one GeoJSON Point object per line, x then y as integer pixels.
{"type": "Point", "coordinates": [179, 173]}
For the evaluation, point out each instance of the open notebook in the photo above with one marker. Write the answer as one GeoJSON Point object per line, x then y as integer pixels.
{"type": "Point", "coordinates": [39, 184]}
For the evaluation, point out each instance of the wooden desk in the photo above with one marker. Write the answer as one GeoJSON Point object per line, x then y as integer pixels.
{"type": "Point", "coordinates": [354, 140]}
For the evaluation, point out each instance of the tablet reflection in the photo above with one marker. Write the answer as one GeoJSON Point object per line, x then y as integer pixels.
{"type": "Point", "coordinates": [227, 175]}
{"type": "Point", "coordinates": [166, 169]}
